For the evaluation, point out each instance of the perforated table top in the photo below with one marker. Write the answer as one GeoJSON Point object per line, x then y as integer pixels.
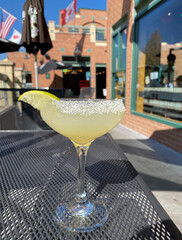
{"type": "Point", "coordinates": [39, 169]}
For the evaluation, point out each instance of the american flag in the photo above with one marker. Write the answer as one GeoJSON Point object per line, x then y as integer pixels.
{"type": "Point", "coordinates": [7, 21]}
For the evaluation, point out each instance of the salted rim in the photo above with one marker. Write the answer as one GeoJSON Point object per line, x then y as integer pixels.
{"type": "Point", "coordinates": [90, 106]}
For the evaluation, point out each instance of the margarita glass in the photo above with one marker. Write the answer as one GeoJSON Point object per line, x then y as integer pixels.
{"type": "Point", "coordinates": [82, 121]}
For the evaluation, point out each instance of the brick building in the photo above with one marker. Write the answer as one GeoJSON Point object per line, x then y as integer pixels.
{"type": "Point", "coordinates": [146, 66]}
{"type": "Point", "coordinates": [137, 45]}
{"type": "Point", "coordinates": [88, 32]}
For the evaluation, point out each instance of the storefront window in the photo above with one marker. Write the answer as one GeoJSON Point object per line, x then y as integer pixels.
{"type": "Point", "coordinates": [159, 65]}
{"type": "Point", "coordinates": [119, 64]}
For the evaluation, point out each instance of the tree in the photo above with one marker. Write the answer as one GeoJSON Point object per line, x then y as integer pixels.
{"type": "Point", "coordinates": [153, 49]}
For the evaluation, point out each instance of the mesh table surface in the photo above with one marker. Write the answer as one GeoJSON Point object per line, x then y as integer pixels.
{"type": "Point", "coordinates": [38, 170]}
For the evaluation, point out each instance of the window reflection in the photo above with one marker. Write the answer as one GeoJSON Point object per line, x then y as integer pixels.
{"type": "Point", "coordinates": [159, 71]}
{"type": "Point", "coordinates": [116, 52]}
{"type": "Point", "coordinates": [119, 78]}
{"type": "Point", "coordinates": [123, 48]}
{"type": "Point", "coordinates": [119, 63]}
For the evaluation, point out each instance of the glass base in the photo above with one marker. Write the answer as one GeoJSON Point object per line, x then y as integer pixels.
{"type": "Point", "coordinates": [87, 216]}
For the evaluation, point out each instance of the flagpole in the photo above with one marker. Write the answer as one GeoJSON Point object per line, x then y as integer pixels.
{"type": "Point", "coordinates": [36, 72]}
{"type": "Point", "coordinates": [10, 14]}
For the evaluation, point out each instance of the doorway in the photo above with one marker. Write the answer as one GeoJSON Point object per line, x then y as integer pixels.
{"type": "Point", "coordinates": [100, 81]}
{"type": "Point", "coordinates": [75, 79]}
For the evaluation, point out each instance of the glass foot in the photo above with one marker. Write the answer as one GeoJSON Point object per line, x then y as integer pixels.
{"type": "Point", "coordinates": [85, 216]}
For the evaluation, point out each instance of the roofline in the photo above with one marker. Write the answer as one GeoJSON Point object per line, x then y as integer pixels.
{"type": "Point", "coordinates": [92, 9]}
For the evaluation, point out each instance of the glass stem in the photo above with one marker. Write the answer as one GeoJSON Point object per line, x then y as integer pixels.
{"type": "Point", "coordinates": [81, 196]}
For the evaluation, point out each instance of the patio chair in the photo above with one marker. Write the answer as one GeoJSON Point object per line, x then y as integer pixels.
{"type": "Point", "coordinates": [86, 92]}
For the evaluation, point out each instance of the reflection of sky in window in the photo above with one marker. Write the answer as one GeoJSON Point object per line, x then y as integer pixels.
{"type": "Point", "coordinates": [116, 51]}
{"type": "Point", "coordinates": [166, 19]}
{"type": "Point", "coordinates": [123, 50]}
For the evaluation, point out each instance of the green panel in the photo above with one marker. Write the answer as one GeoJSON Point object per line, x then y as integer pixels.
{"type": "Point", "coordinates": [140, 3]}
{"type": "Point", "coordinates": [144, 6]}
{"type": "Point", "coordinates": [79, 27]}
{"type": "Point", "coordinates": [62, 49]}
{"type": "Point", "coordinates": [100, 64]}
{"type": "Point", "coordinates": [79, 64]}
{"type": "Point", "coordinates": [119, 23]}
{"type": "Point", "coordinates": [47, 76]}
{"type": "Point", "coordinates": [86, 30]}
{"type": "Point", "coordinates": [73, 29]}
{"type": "Point", "coordinates": [89, 50]}
{"type": "Point", "coordinates": [137, 2]}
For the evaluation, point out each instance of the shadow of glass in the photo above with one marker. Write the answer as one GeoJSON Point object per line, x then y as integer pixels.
{"type": "Point", "coordinates": [110, 172]}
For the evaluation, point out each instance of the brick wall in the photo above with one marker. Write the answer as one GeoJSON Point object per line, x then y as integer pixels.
{"type": "Point", "coordinates": [86, 16]}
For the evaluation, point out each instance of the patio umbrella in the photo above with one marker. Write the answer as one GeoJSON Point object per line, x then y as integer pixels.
{"type": "Point", "coordinates": [52, 65]}
{"type": "Point", "coordinates": [7, 46]}
{"type": "Point", "coordinates": [35, 35]}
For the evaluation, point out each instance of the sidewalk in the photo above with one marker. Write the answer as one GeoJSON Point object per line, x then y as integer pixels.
{"type": "Point", "coordinates": [159, 166]}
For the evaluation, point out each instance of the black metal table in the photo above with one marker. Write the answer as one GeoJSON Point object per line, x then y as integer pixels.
{"type": "Point", "coordinates": [39, 169]}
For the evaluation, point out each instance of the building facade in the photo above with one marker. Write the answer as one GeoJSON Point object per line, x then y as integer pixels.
{"type": "Point", "coordinates": [145, 45]}
{"type": "Point", "coordinates": [87, 33]}
{"type": "Point", "coordinates": [10, 77]}
{"type": "Point", "coordinates": [134, 49]}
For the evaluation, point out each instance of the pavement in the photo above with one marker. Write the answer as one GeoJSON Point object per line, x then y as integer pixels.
{"type": "Point", "coordinates": [159, 166]}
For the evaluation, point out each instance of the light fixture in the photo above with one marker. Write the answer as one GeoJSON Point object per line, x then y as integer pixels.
{"type": "Point", "coordinates": [77, 51]}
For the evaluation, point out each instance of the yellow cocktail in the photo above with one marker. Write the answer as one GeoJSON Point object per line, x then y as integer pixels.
{"type": "Point", "coordinates": [82, 121]}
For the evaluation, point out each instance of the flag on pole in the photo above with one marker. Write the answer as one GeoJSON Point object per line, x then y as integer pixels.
{"type": "Point", "coordinates": [7, 21]}
{"type": "Point", "coordinates": [16, 37]}
{"type": "Point", "coordinates": [68, 13]}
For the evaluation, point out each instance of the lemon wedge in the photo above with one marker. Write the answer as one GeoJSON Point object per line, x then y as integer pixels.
{"type": "Point", "coordinates": [37, 98]}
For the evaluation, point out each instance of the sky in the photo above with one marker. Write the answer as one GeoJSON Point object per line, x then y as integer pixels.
{"type": "Point", "coordinates": [51, 11]}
